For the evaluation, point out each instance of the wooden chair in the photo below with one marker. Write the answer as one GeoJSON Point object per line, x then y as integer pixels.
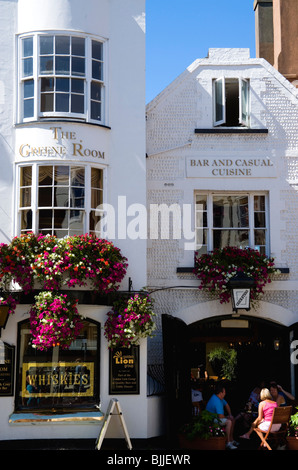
{"type": "Point", "coordinates": [281, 415]}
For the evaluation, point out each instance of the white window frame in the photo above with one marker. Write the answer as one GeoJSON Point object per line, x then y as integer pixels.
{"type": "Point", "coordinates": [42, 116]}
{"type": "Point", "coordinates": [34, 195]}
{"type": "Point", "coordinates": [251, 228]}
{"type": "Point", "coordinates": [219, 86]}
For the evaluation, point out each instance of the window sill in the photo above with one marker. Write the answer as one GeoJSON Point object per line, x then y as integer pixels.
{"type": "Point", "coordinates": [190, 270]}
{"type": "Point", "coordinates": [230, 130]}
{"type": "Point", "coordinates": [67, 418]}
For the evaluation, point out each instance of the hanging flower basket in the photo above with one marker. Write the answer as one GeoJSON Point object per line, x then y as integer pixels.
{"type": "Point", "coordinates": [129, 321]}
{"type": "Point", "coordinates": [54, 321]}
{"type": "Point", "coordinates": [215, 269]}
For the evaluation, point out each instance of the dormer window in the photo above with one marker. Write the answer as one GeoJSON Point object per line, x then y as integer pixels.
{"type": "Point", "coordinates": [231, 102]}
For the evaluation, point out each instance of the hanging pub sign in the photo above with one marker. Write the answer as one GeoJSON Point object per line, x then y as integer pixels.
{"type": "Point", "coordinates": [124, 371]}
{"type": "Point", "coordinates": [7, 354]}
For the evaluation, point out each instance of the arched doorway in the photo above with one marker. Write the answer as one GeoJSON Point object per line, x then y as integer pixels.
{"type": "Point", "coordinates": [262, 347]}
{"type": "Point", "coordinates": [263, 353]}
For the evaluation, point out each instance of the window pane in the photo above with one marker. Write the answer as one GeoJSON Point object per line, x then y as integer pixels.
{"type": "Point", "coordinates": [26, 220]}
{"type": "Point", "coordinates": [45, 197]}
{"type": "Point", "coordinates": [219, 101]}
{"type": "Point", "coordinates": [222, 238]}
{"type": "Point", "coordinates": [62, 65]}
{"type": "Point", "coordinates": [260, 220]}
{"type": "Point", "coordinates": [77, 85]}
{"type": "Point", "coordinates": [230, 211]}
{"type": "Point", "coordinates": [27, 47]}
{"type": "Point", "coordinates": [62, 84]}
{"type": "Point", "coordinates": [61, 196]}
{"type": "Point", "coordinates": [201, 202]}
{"type": "Point", "coordinates": [77, 197]}
{"type": "Point", "coordinates": [61, 175]}
{"type": "Point", "coordinates": [96, 91]}
{"type": "Point", "coordinates": [96, 70]}
{"type": "Point", "coordinates": [47, 84]}
{"type": "Point", "coordinates": [45, 175]}
{"type": "Point", "coordinates": [25, 197]}
{"type": "Point", "coordinates": [28, 67]}
{"type": "Point", "coordinates": [97, 50]}
{"type": "Point", "coordinates": [76, 221]}
{"type": "Point", "coordinates": [26, 176]}
{"type": "Point", "coordinates": [77, 103]}
{"type": "Point", "coordinates": [62, 102]}
{"type": "Point", "coordinates": [260, 237]}
{"type": "Point", "coordinates": [95, 222]}
{"type": "Point", "coordinates": [61, 218]}
{"type": "Point", "coordinates": [78, 46]}
{"type": "Point", "coordinates": [96, 178]}
{"type": "Point", "coordinates": [28, 88]}
{"type": "Point", "coordinates": [259, 203]}
{"type": "Point", "coordinates": [96, 198]}
{"type": "Point", "coordinates": [95, 110]}
{"type": "Point", "coordinates": [47, 102]}
{"type": "Point", "coordinates": [201, 237]}
{"type": "Point", "coordinates": [46, 45]}
{"type": "Point", "coordinates": [78, 66]}
{"type": "Point", "coordinates": [62, 44]}
{"type": "Point", "coordinates": [28, 108]}
{"type": "Point", "coordinates": [46, 65]}
{"type": "Point", "coordinates": [77, 176]}
{"type": "Point", "coordinates": [201, 219]}
{"type": "Point", "coordinates": [45, 219]}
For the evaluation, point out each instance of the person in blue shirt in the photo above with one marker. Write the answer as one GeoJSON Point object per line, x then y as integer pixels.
{"type": "Point", "coordinates": [218, 405]}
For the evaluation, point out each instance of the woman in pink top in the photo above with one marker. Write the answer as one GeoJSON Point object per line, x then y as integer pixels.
{"type": "Point", "coordinates": [265, 412]}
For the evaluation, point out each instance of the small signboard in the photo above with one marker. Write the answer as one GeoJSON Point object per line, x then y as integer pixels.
{"type": "Point", "coordinates": [7, 358]}
{"type": "Point", "coordinates": [124, 371]}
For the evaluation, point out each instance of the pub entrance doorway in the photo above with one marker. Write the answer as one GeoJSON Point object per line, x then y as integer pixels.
{"type": "Point", "coordinates": [263, 354]}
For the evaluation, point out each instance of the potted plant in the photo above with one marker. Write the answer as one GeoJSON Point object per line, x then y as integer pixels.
{"type": "Point", "coordinates": [224, 362]}
{"type": "Point", "coordinates": [203, 432]}
{"type": "Point", "coordinates": [292, 437]}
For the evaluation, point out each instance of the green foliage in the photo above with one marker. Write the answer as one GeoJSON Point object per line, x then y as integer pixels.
{"type": "Point", "coordinates": [228, 360]}
{"type": "Point", "coordinates": [205, 425]}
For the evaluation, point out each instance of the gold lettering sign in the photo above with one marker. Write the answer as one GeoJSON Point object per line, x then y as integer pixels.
{"type": "Point", "coordinates": [223, 167]}
{"type": "Point", "coordinates": [73, 149]}
{"type": "Point", "coordinates": [65, 379]}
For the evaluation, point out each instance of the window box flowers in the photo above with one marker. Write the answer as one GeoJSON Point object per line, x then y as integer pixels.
{"type": "Point", "coordinates": [53, 263]}
{"type": "Point", "coordinates": [215, 269]}
{"type": "Point", "coordinates": [130, 320]}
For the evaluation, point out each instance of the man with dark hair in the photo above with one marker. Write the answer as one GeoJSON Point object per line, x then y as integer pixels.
{"type": "Point", "coordinates": [218, 405]}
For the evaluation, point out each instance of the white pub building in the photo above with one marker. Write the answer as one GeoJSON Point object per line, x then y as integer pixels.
{"type": "Point", "coordinates": [222, 155]}
{"type": "Point", "coordinates": [72, 121]}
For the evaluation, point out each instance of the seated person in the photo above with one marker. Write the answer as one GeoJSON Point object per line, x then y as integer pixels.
{"type": "Point", "coordinates": [265, 412]}
{"type": "Point", "coordinates": [196, 398]}
{"type": "Point", "coordinates": [218, 405]}
{"type": "Point", "coordinates": [279, 394]}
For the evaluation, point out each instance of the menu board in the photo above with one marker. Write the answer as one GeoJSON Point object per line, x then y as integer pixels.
{"type": "Point", "coordinates": [124, 371]}
{"type": "Point", "coordinates": [7, 357]}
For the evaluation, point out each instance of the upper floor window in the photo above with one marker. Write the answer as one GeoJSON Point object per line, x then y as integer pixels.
{"type": "Point", "coordinates": [231, 220]}
{"type": "Point", "coordinates": [231, 102]}
{"type": "Point", "coordinates": [61, 76]}
{"type": "Point", "coordinates": [60, 200]}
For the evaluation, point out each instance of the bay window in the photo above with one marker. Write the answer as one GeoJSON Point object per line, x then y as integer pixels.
{"type": "Point", "coordinates": [223, 219]}
{"type": "Point", "coordinates": [60, 200]}
{"type": "Point", "coordinates": [61, 76]}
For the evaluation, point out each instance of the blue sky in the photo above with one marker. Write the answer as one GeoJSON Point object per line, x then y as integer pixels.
{"type": "Point", "coordinates": [181, 31]}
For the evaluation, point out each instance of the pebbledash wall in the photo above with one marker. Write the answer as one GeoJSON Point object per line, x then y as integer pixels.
{"type": "Point", "coordinates": [107, 133]}
{"type": "Point", "coordinates": [188, 154]}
